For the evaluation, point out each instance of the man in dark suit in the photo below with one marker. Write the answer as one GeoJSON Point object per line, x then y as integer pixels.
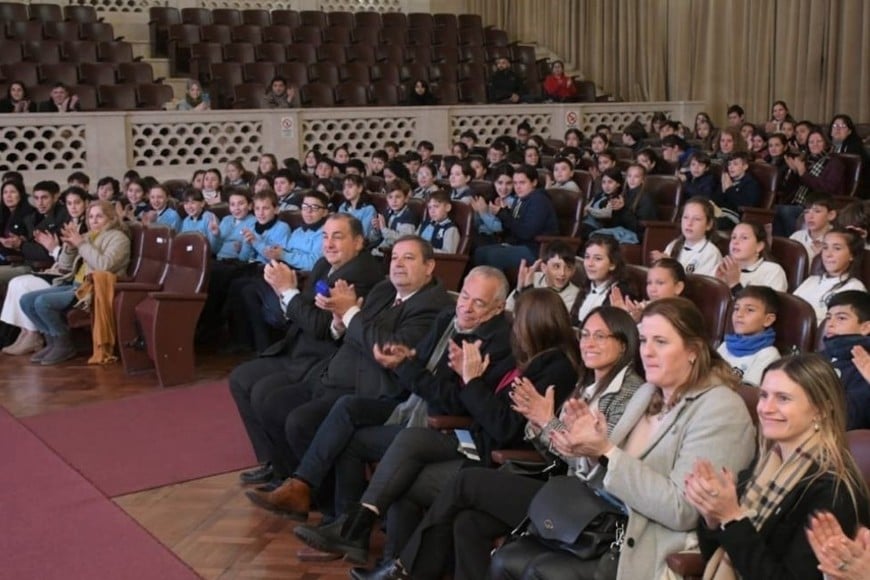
{"type": "Point", "coordinates": [398, 310]}
{"type": "Point", "coordinates": [358, 429]}
{"type": "Point", "coordinates": [308, 344]}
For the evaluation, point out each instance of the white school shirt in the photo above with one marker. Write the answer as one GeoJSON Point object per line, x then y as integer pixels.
{"type": "Point", "coordinates": [704, 258]}
{"type": "Point", "coordinates": [751, 366]}
{"type": "Point", "coordinates": [804, 238]}
{"type": "Point", "coordinates": [816, 290]}
{"type": "Point", "coordinates": [764, 273]}
{"type": "Point", "coordinates": [594, 298]}
{"type": "Point", "coordinates": [568, 294]}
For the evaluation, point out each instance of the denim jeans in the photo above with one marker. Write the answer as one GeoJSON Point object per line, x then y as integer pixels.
{"type": "Point", "coordinates": [46, 308]}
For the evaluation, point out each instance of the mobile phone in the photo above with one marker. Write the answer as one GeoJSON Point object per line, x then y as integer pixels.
{"type": "Point", "coordinates": [321, 287]}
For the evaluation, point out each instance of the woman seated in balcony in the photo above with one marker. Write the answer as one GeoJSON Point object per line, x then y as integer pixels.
{"type": "Point", "coordinates": [755, 527]}
{"type": "Point", "coordinates": [195, 99]}
{"type": "Point", "coordinates": [16, 100]}
{"type": "Point", "coordinates": [558, 86]}
{"type": "Point", "coordinates": [105, 247]}
{"type": "Point", "coordinates": [421, 95]}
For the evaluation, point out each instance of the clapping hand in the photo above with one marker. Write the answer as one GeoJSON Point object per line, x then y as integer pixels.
{"type": "Point", "coordinates": [341, 298]}
{"type": "Point", "coordinates": [585, 434]}
{"type": "Point", "coordinates": [473, 364]}
{"type": "Point", "coordinates": [391, 355]}
{"type": "Point", "coordinates": [713, 493]}
{"type": "Point", "coordinates": [45, 239]}
{"type": "Point", "coordinates": [528, 402]}
{"type": "Point", "coordinates": [280, 277]}
{"type": "Point", "coordinates": [69, 233]}
{"type": "Point", "coordinates": [213, 226]}
{"type": "Point", "coordinates": [729, 271]}
{"type": "Point", "coordinates": [861, 360]}
{"type": "Point", "coordinates": [248, 235]}
{"type": "Point", "coordinates": [480, 205]}
{"type": "Point", "coordinates": [839, 557]}
{"type": "Point", "coordinates": [526, 275]}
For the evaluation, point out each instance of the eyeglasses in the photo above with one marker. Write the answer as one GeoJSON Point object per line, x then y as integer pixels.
{"type": "Point", "coordinates": [839, 126]}
{"type": "Point", "coordinates": [308, 207]}
{"type": "Point", "coordinates": [596, 337]}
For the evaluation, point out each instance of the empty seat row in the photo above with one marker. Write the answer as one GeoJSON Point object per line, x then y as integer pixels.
{"type": "Point", "coordinates": [100, 73]}
{"type": "Point", "coordinates": [55, 51]}
{"type": "Point", "coordinates": [18, 11]}
{"type": "Point", "coordinates": [63, 30]}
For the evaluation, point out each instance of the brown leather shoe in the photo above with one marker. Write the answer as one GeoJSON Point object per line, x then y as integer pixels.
{"type": "Point", "coordinates": [292, 500]}
{"type": "Point", "coordinates": [307, 554]}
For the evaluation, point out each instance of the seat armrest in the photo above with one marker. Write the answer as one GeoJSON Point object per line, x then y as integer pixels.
{"type": "Point", "coordinates": [178, 296]}
{"type": "Point", "coordinates": [136, 287]}
{"type": "Point", "coordinates": [686, 564]}
{"type": "Point", "coordinates": [448, 422]}
{"type": "Point", "coordinates": [502, 456]}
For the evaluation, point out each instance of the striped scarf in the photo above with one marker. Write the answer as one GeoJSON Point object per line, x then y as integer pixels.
{"type": "Point", "coordinates": [772, 480]}
{"type": "Point", "coordinates": [815, 170]}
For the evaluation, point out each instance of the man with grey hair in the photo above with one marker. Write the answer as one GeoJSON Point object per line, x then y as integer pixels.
{"type": "Point", "coordinates": [358, 430]}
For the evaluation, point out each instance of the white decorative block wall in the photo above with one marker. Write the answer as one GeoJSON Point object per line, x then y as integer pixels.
{"type": "Point", "coordinates": [42, 147]}
{"type": "Point", "coordinates": [196, 144]}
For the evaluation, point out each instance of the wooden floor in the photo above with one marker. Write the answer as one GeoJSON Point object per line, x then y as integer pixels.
{"type": "Point", "coordinates": [208, 523]}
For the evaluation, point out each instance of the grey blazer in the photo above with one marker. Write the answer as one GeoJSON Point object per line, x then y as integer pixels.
{"type": "Point", "coordinates": [712, 423]}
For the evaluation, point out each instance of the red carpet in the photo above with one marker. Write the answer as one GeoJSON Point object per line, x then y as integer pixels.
{"type": "Point", "coordinates": [149, 440]}
{"type": "Point", "coordinates": [55, 525]}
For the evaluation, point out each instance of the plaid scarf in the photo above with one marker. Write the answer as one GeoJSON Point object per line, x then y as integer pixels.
{"type": "Point", "coordinates": [772, 480]}
{"type": "Point", "coordinates": [815, 170]}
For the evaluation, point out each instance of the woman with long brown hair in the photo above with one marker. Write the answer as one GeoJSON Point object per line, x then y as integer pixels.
{"type": "Point", "coordinates": [756, 528]}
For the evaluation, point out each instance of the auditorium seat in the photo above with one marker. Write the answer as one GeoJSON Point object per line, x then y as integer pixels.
{"type": "Point", "coordinates": [317, 94]}
{"type": "Point", "coordinates": [218, 33]}
{"type": "Point", "coordinates": [119, 97]}
{"type": "Point", "coordinates": [42, 51]}
{"type": "Point", "coordinates": [226, 16]}
{"type": "Point", "coordinates": [366, 35]}
{"type": "Point", "coordinates": [160, 18]}
{"type": "Point", "coordinates": [62, 31]}
{"type": "Point", "coordinates": [97, 31]}
{"type": "Point", "coordinates": [197, 16]}
{"type": "Point", "coordinates": [337, 35]}
{"type": "Point", "coordinates": [258, 72]}
{"type": "Point", "coordinates": [13, 12]}
{"type": "Point", "coordinates": [137, 73]}
{"type": "Point", "coordinates": [421, 20]}
{"type": "Point", "coordinates": [368, 18]}
{"type": "Point", "coordinates": [356, 71]}
{"type": "Point", "coordinates": [286, 17]}
{"type": "Point", "coordinates": [98, 73]}
{"type": "Point", "coordinates": [394, 20]}
{"type": "Point", "coordinates": [247, 33]}
{"type": "Point", "coordinates": [248, 95]}
{"type": "Point", "coordinates": [167, 318]}
{"type": "Point", "coordinates": [713, 298]}
{"type": "Point", "coordinates": [80, 13]}
{"type": "Point", "coordinates": [296, 73]}
{"type": "Point", "coordinates": [115, 51]}
{"type": "Point", "coordinates": [666, 192]}
{"type": "Point", "coordinates": [315, 18]}
{"type": "Point", "coordinates": [332, 52]}
{"type": "Point", "coordinates": [63, 72]}
{"type": "Point", "coordinates": [309, 35]}
{"type": "Point", "coordinates": [46, 12]}
{"type": "Point", "coordinates": [792, 256]}
{"type": "Point", "coordinates": [278, 33]}
{"type": "Point", "coordinates": [256, 17]}
{"type": "Point", "coordinates": [324, 72]}
{"type": "Point", "coordinates": [351, 94]}
{"type": "Point", "coordinates": [302, 52]}
{"type": "Point", "coordinates": [10, 52]}
{"type": "Point", "coordinates": [153, 96]}
{"type": "Point", "coordinates": [384, 94]}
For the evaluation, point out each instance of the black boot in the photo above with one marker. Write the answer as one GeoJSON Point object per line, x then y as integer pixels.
{"type": "Point", "coordinates": [390, 570]}
{"type": "Point", "coordinates": [351, 539]}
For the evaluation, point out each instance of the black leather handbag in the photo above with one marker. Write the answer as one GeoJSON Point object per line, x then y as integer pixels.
{"type": "Point", "coordinates": [567, 515]}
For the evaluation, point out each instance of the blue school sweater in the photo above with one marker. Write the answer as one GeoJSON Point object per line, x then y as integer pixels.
{"type": "Point", "coordinates": [201, 224]}
{"type": "Point", "coordinates": [231, 234]}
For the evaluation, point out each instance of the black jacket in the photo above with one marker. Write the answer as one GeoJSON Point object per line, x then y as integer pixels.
{"type": "Point", "coordinates": [496, 425]}
{"type": "Point", "coordinates": [308, 341]}
{"type": "Point", "coordinates": [780, 550]}
{"type": "Point", "coordinates": [441, 388]}
{"type": "Point", "coordinates": [353, 368]}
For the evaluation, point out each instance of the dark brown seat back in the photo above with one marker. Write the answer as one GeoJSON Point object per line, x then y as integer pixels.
{"type": "Point", "coordinates": [713, 299]}
{"type": "Point", "coordinates": [188, 264]}
{"type": "Point", "coordinates": [793, 258]}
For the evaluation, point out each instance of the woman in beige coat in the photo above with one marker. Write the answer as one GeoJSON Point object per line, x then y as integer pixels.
{"type": "Point", "coordinates": [105, 247]}
{"type": "Point", "coordinates": [687, 410]}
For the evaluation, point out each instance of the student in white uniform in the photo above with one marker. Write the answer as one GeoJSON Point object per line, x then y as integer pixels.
{"type": "Point", "coordinates": [841, 250]}
{"type": "Point", "coordinates": [666, 278]}
{"type": "Point", "coordinates": [746, 263]}
{"type": "Point", "coordinates": [749, 349]}
{"type": "Point", "coordinates": [605, 270]}
{"type": "Point", "coordinates": [819, 214]}
{"type": "Point", "coordinates": [694, 249]}
{"type": "Point", "coordinates": [554, 271]}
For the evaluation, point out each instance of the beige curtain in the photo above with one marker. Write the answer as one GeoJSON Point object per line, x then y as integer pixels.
{"type": "Point", "coordinates": [752, 52]}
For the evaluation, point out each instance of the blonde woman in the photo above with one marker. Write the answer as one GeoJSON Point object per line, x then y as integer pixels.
{"type": "Point", "coordinates": [105, 247]}
{"type": "Point", "coordinates": [756, 528]}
